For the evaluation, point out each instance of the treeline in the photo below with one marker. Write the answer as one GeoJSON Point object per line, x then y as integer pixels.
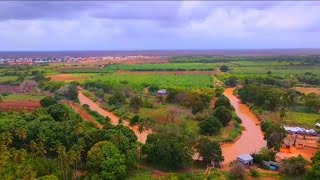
{"type": "Point", "coordinates": [309, 78]}
{"type": "Point", "coordinates": [305, 60]}
{"type": "Point", "coordinates": [268, 97]}
{"type": "Point", "coordinates": [173, 69]}
{"type": "Point", "coordinates": [275, 98]}
{"type": "Point", "coordinates": [54, 142]}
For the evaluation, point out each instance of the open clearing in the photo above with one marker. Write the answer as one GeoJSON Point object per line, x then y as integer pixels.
{"type": "Point", "coordinates": [19, 105]}
{"type": "Point", "coordinates": [70, 77]}
{"type": "Point", "coordinates": [83, 113]}
{"type": "Point", "coordinates": [308, 90]}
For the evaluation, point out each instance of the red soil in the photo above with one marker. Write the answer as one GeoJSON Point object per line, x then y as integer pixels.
{"type": "Point", "coordinates": [308, 90]}
{"type": "Point", "coordinates": [83, 113]}
{"type": "Point", "coordinates": [142, 137]}
{"type": "Point", "coordinates": [19, 105]}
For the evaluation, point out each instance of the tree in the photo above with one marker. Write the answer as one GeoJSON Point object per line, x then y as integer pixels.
{"type": "Point", "coordinates": [312, 101]}
{"type": "Point", "coordinates": [294, 166]}
{"type": "Point", "coordinates": [264, 155]}
{"type": "Point", "coordinates": [210, 151]}
{"type": "Point", "coordinates": [238, 170]}
{"type": "Point", "coordinates": [118, 99]}
{"type": "Point", "coordinates": [172, 113]}
{"type": "Point", "coordinates": [136, 103]}
{"type": "Point", "coordinates": [316, 157]}
{"type": "Point", "coordinates": [314, 172]}
{"type": "Point", "coordinates": [210, 126]}
{"type": "Point", "coordinates": [231, 81]}
{"type": "Point", "coordinates": [224, 68]}
{"type": "Point", "coordinates": [223, 114]}
{"type": "Point", "coordinates": [47, 101]}
{"type": "Point", "coordinates": [134, 120]}
{"type": "Point", "coordinates": [58, 112]}
{"type": "Point", "coordinates": [105, 161]}
{"type": "Point", "coordinates": [222, 101]}
{"type": "Point", "coordinates": [269, 72]}
{"type": "Point", "coordinates": [274, 135]}
{"type": "Point", "coordinates": [170, 147]}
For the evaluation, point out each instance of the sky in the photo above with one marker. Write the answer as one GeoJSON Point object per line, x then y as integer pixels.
{"type": "Point", "coordinates": [162, 25]}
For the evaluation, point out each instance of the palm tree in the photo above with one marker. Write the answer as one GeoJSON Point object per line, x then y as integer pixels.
{"type": "Point", "coordinates": [22, 135]}
{"type": "Point", "coordinates": [141, 130]}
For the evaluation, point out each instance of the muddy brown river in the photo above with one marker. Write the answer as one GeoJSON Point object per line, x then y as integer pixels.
{"type": "Point", "coordinates": [251, 139]}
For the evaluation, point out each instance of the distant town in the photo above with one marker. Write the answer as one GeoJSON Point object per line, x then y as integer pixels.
{"type": "Point", "coordinates": [69, 59]}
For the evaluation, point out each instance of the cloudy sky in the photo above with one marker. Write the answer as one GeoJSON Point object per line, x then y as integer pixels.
{"type": "Point", "coordinates": [134, 25]}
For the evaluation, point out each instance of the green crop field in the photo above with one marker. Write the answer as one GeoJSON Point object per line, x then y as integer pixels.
{"type": "Point", "coordinates": [22, 97]}
{"type": "Point", "coordinates": [162, 67]}
{"type": "Point", "coordinates": [138, 82]}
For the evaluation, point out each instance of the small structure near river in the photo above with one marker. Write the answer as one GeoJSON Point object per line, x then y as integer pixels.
{"type": "Point", "coordinates": [245, 159]}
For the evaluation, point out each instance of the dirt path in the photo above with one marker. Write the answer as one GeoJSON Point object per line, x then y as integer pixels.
{"type": "Point", "coordinates": [114, 119]}
{"type": "Point", "coordinates": [83, 113]}
{"type": "Point", "coordinates": [251, 139]}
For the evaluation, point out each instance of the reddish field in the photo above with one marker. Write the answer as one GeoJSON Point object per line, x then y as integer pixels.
{"type": "Point", "coordinates": [83, 113]}
{"type": "Point", "coordinates": [170, 72]}
{"type": "Point", "coordinates": [67, 77]}
{"type": "Point", "coordinates": [19, 105]}
{"type": "Point", "coordinates": [308, 90]}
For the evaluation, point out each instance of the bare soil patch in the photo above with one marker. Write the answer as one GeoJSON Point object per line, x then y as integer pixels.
{"type": "Point", "coordinates": [83, 113]}
{"type": "Point", "coordinates": [308, 90]}
{"type": "Point", "coordinates": [19, 105]}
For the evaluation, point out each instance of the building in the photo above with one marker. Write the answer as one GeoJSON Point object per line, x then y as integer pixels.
{"type": "Point", "coordinates": [245, 159]}
{"type": "Point", "coordinates": [162, 92]}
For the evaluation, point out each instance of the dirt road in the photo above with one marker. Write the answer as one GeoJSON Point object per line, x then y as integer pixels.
{"type": "Point", "coordinates": [114, 119]}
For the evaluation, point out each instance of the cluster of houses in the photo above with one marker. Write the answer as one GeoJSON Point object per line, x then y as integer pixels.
{"type": "Point", "coordinates": [42, 60]}
{"type": "Point", "coordinates": [299, 130]}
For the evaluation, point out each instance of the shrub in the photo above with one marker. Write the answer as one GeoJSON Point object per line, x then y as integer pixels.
{"type": "Point", "coordinates": [47, 101]}
{"type": "Point", "coordinates": [254, 172]}
{"type": "Point", "coordinates": [237, 171]}
{"type": "Point", "coordinates": [210, 126]}
{"type": "Point", "coordinates": [134, 120]}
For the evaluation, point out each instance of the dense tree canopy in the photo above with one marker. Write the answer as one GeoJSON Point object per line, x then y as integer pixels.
{"type": "Point", "coordinates": [210, 151]}
{"type": "Point", "coordinates": [105, 161]}
{"type": "Point", "coordinates": [210, 126]}
{"type": "Point", "coordinates": [171, 147]}
{"type": "Point", "coordinates": [223, 114]}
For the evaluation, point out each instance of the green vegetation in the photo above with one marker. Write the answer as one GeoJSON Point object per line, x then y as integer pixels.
{"type": "Point", "coordinates": [139, 82]}
{"type": "Point", "coordinates": [161, 67]}
{"type": "Point", "coordinates": [21, 97]}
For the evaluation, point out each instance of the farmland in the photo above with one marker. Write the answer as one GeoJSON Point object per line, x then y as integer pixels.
{"type": "Point", "coordinates": [139, 82]}
{"type": "Point", "coordinates": [197, 93]}
{"type": "Point", "coordinates": [162, 67]}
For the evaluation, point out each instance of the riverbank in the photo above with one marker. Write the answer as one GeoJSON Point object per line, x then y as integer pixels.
{"type": "Point", "coordinates": [142, 137]}
{"type": "Point", "coordinates": [251, 139]}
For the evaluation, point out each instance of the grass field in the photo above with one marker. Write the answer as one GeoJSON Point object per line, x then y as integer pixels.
{"type": "Point", "coordinates": [139, 82]}
{"type": "Point", "coordinates": [307, 120]}
{"type": "Point", "coordinates": [7, 79]}
{"type": "Point", "coordinates": [22, 97]}
{"type": "Point", "coordinates": [161, 67]}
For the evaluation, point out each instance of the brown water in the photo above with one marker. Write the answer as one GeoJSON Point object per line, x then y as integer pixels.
{"type": "Point", "coordinates": [114, 119]}
{"type": "Point", "coordinates": [251, 139]}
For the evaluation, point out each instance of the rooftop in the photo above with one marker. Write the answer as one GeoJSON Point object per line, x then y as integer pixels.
{"type": "Point", "coordinates": [245, 157]}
